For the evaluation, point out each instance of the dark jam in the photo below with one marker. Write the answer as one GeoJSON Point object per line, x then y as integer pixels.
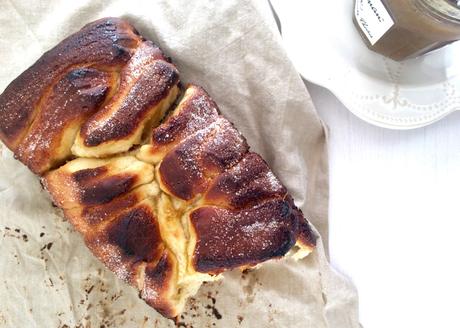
{"type": "Point", "coordinates": [419, 26]}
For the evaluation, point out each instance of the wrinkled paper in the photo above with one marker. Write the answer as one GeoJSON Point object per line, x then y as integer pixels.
{"type": "Point", "coordinates": [48, 278]}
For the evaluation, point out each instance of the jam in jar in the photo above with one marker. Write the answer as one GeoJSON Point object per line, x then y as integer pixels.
{"type": "Point", "coordinates": [402, 29]}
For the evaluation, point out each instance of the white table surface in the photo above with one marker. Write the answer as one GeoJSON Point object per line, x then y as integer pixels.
{"type": "Point", "coordinates": [395, 216]}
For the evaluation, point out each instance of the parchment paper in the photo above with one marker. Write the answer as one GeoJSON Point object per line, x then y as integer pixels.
{"type": "Point", "coordinates": [48, 278]}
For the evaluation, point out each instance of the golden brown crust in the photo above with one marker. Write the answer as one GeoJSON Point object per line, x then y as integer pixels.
{"type": "Point", "coordinates": [187, 206]}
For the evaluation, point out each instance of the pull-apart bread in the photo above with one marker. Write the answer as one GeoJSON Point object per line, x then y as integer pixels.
{"type": "Point", "coordinates": [163, 188]}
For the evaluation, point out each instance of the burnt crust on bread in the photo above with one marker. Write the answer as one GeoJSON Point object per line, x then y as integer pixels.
{"type": "Point", "coordinates": [144, 82]}
{"type": "Point", "coordinates": [68, 104]}
{"type": "Point", "coordinates": [306, 237]}
{"type": "Point", "coordinates": [188, 168]}
{"type": "Point", "coordinates": [195, 103]}
{"type": "Point", "coordinates": [90, 96]}
{"type": "Point", "coordinates": [226, 238]}
{"type": "Point", "coordinates": [108, 42]}
{"type": "Point", "coordinates": [141, 98]}
{"type": "Point", "coordinates": [131, 246]}
{"type": "Point", "coordinates": [91, 216]}
{"type": "Point", "coordinates": [158, 286]}
{"type": "Point", "coordinates": [166, 202]}
{"type": "Point", "coordinates": [86, 182]}
{"type": "Point", "coordinates": [135, 234]}
{"type": "Point", "coordinates": [245, 184]}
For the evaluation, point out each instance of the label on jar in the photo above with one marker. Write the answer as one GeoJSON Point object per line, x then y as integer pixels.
{"type": "Point", "coordinates": [373, 19]}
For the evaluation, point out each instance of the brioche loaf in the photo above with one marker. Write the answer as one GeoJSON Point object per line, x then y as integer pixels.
{"type": "Point", "coordinates": [165, 201]}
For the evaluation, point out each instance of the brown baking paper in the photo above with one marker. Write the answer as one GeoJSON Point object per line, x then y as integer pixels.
{"type": "Point", "coordinates": [48, 278]}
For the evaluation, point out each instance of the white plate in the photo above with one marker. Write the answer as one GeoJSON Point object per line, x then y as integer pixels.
{"type": "Point", "coordinates": [324, 45]}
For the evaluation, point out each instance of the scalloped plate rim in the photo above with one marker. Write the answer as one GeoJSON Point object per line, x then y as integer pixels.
{"type": "Point", "coordinates": [326, 80]}
{"type": "Point", "coordinates": [378, 123]}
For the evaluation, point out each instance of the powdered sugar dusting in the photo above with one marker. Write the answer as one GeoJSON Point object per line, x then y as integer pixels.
{"type": "Point", "coordinates": [273, 182]}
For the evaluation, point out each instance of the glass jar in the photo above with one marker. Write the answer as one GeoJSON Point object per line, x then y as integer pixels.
{"type": "Point", "coordinates": [402, 29]}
